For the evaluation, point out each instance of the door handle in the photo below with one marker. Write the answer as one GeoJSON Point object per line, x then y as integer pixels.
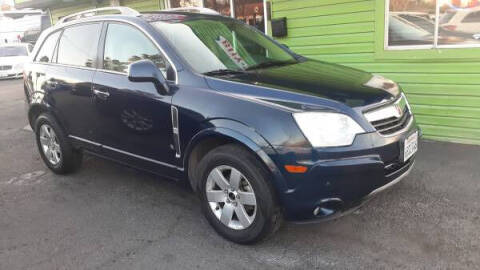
{"type": "Point", "coordinates": [101, 94]}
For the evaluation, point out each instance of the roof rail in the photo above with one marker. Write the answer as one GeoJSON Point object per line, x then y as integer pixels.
{"type": "Point", "coordinates": [194, 10]}
{"type": "Point", "coordinates": [96, 11]}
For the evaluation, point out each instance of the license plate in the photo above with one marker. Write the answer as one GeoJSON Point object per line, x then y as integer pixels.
{"type": "Point", "coordinates": [411, 146]}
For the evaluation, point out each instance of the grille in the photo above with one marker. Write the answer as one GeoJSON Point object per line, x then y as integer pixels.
{"type": "Point", "coordinates": [392, 124]}
{"type": "Point", "coordinates": [391, 118]}
{"type": "Point", "coordinates": [5, 67]}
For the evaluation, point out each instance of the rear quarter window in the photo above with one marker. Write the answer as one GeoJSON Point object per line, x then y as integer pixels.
{"type": "Point", "coordinates": [46, 50]}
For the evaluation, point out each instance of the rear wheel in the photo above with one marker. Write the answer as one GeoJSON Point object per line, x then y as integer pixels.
{"type": "Point", "coordinates": [237, 199]}
{"type": "Point", "coordinates": [54, 147]}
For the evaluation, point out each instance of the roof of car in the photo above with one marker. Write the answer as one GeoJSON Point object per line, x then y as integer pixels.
{"type": "Point", "coordinates": [167, 15]}
{"type": "Point", "coordinates": [177, 16]}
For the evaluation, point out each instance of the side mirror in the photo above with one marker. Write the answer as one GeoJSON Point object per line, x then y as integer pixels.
{"type": "Point", "coordinates": [147, 71]}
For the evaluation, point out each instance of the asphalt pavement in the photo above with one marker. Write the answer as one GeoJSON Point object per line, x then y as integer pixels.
{"type": "Point", "coordinates": [107, 216]}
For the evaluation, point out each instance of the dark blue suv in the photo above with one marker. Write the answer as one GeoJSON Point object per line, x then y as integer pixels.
{"type": "Point", "coordinates": [260, 133]}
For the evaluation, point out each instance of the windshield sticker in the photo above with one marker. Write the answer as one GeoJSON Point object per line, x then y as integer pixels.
{"type": "Point", "coordinates": [229, 50]}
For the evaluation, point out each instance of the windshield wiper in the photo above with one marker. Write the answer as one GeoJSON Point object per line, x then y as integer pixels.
{"type": "Point", "coordinates": [223, 72]}
{"type": "Point", "coordinates": [270, 64]}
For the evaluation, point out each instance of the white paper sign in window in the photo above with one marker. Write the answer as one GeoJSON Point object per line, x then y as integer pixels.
{"type": "Point", "coordinates": [230, 51]}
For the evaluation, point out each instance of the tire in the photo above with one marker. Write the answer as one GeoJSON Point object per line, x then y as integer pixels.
{"type": "Point", "coordinates": [257, 218]}
{"type": "Point", "coordinates": [62, 157]}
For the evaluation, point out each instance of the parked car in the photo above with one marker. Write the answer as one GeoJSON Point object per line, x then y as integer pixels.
{"type": "Point", "coordinates": [260, 133]}
{"type": "Point", "coordinates": [407, 29]}
{"type": "Point", "coordinates": [462, 20]}
{"type": "Point", "coordinates": [12, 58]}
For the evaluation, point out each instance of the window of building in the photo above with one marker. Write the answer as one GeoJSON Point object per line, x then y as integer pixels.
{"type": "Point", "coordinates": [124, 45]}
{"type": "Point", "coordinates": [46, 51]}
{"type": "Point", "coordinates": [432, 24]}
{"type": "Point", "coordinates": [249, 11]}
{"type": "Point", "coordinates": [78, 45]}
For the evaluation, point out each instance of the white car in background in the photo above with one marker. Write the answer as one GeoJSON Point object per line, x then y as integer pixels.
{"type": "Point", "coordinates": [462, 20]}
{"type": "Point", "coordinates": [12, 58]}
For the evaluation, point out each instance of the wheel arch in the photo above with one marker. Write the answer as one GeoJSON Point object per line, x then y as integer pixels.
{"type": "Point", "coordinates": [231, 132]}
{"type": "Point", "coordinates": [37, 109]}
{"type": "Point", "coordinates": [34, 111]}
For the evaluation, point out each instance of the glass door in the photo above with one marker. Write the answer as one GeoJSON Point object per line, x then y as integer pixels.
{"type": "Point", "coordinates": [250, 12]}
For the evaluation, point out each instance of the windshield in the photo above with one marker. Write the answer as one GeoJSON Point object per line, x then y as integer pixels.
{"type": "Point", "coordinates": [447, 17]}
{"type": "Point", "coordinates": [13, 51]}
{"type": "Point", "coordinates": [213, 44]}
{"type": "Point", "coordinates": [401, 32]}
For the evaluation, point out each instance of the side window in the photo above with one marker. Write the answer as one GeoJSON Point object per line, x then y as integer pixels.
{"type": "Point", "coordinates": [46, 51]}
{"type": "Point", "coordinates": [473, 17]}
{"type": "Point", "coordinates": [78, 45]}
{"type": "Point", "coordinates": [125, 45]}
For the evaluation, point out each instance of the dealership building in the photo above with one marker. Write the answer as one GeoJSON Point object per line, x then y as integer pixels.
{"type": "Point", "coordinates": [430, 47]}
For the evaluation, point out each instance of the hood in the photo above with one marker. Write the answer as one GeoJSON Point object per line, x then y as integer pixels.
{"type": "Point", "coordinates": [13, 60]}
{"type": "Point", "coordinates": [309, 82]}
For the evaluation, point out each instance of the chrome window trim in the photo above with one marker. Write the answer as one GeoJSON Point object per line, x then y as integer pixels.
{"type": "Point", "coordinates": [128, 153]}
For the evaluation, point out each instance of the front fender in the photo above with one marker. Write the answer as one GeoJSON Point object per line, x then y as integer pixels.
{"type": "Point", "coordinates": [246, 136]}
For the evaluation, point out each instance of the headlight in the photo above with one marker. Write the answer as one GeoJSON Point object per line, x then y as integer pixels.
{"type": "Point", "coordinates": [327, 129]}
{"type": "Point", "coordinates": [380, 82]}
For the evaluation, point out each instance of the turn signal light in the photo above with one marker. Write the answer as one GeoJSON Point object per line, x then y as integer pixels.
{"type": "Point", "coordinates": [295, 169]}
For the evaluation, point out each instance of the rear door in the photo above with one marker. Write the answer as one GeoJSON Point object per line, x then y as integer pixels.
{"type": "Point", "coordinates": [36, 72]}
{"type": "Point", "coordinates": [135, 122]}
{"type": "Point", "coordinates": [70, 80]}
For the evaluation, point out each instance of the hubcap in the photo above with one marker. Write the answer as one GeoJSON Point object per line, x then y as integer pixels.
{"type": "Point", "coordinates": [50, 144]}
{"type": "Point", "coordinates": [231, 197]}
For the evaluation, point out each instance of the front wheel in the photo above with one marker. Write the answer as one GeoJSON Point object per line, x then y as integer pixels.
{"type": "Point", "coordinates": [237, 199]}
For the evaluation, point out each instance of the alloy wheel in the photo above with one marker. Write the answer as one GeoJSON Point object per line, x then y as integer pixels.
{"type": "Point", "coordinates": [231, 197]}
{"type": "Point", "coordinates": [50, 144]}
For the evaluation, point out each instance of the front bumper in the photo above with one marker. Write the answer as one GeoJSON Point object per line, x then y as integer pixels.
{"type": "Point", "coordinates": [341, 179]}
{"type": "Point", "coordinates": [10, 74]}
